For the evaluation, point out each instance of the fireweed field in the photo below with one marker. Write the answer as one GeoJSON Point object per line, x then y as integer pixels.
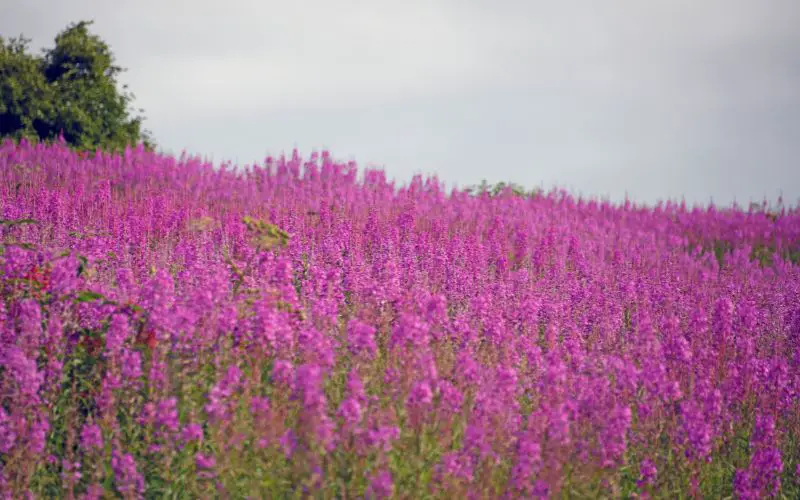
{"type": "Point", "coordinates": [287, 331]}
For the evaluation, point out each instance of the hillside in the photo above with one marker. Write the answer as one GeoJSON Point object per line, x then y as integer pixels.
{"type": "Point", "coordinates": [303, 328]}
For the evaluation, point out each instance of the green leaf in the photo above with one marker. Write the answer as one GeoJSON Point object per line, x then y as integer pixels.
{"type": "Point", "coordinates": [17, 222]}
{"type": "Point", "coordinates": [88, 296]}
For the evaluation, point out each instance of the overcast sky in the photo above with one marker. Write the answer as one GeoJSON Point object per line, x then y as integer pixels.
{"type": "Point", "coordinates": [658, 99]}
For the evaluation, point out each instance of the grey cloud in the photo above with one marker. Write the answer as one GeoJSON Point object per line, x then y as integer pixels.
{"type": "Point", "coordinates": [657, 99]}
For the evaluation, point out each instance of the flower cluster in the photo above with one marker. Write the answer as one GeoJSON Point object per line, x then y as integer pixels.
{"type": "Point", "coordinates": [168, 328]}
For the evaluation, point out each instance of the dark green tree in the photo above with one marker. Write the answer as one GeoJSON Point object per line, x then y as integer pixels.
{"type": "Point", "coordinates": [71, 89]}
{"type": "Point", "coordinates": [26, 99]}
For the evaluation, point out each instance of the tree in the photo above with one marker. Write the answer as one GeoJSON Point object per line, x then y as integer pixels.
{"type": "Point", "coordinates": [71, 90]}
{"type": "Point", "coordinates": [26, 99]}
{"type": "Point", "coordinates": [494, 190]}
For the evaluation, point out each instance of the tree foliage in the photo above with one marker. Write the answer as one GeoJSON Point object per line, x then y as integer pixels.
{"type": "Point", "coordinates": [493, 190]}
{"type": "Point", "coordinates": [70, 90]}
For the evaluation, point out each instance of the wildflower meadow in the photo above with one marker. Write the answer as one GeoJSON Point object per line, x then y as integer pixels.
{"type": "Point", "coordinates": [303, 329]}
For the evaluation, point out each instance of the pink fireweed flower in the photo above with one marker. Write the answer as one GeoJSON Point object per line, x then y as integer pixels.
{"type": "Point", "coordinates": [259, 406]}
{"type": "Point", "coordinates": [126, 283]}
{"type": "Point", "coordinates": [410, 330]}
{"type": "Point", "coordinates": [107, 399]}
{"type": "Point", "coordinates": [7, 434]}
{"type": "Point", "coordinates": [559, 424]}
{"type": "Point", "coordinates": [24, 372]}
{"type": "Point", "coordinates": [126, 476]}
{"type": "Point", "coordinates": [272, 329]}
{"type": "Point", "coordinates": [436, 310]}
{"type": "Point", "coordinates": [94, 492]}
{"type": "Point", "coordinates": [29, 319]}
{"type": "Point", "coordinates": [528, 465]}
{"type": "Point", "coordinates": [71, 471]}
{"type": "Point", "coordinates": [205, 465]}
{"type": "Point", "coordinates": [425, 367]}
{"type": "Point", "coordinates": [158, 298]}
{"type": "Point", "coordinates": [355, 388]}
{"type": "Point", "coordinates": [361, 338]}
{"type": "Point", "coordinates": [38, 434]}
{"type": "Point", "coordinates": [148, 415]}
{"type": "Point", "coordinates": [218, 399]}
{"type": "Point", "coordinates": [205, 461]}
{"type": "Point", "coordinates": [467, 369]}
{"type": "Point", "coordinates": [167, 414]}
{"type": "Point", "coordinates": [317, 348]}
{"type": "Point", "coordinates": [614, 436]}
{"type": "Point", "coordinates": [350, 411]}
{"type": "Point", "coordinates": [762, 476]}
{"type": "Point", "coordinates": [63, 277]}
{"type": "Point", "coordinates": [118, 332]}
{"type": "Point", "coordinates": [723, 318]}
{"type": "Point", "coordinates": [131, 366]}
{"type": "Point", "coordinates": [381, 485]}
{"type": "Point", "coordinates": [541, 489]}
{"type": "Point", "coordinates": [647, 473]}
{"type": "Point", "coordinates": [478, 440]}
{"type": "Point", "coordinates": [288, 442]}
{"type": "Point", "coordinates": [308, 386]}
{"type": "Point", "coordinates": [382, 437]}
{"type": "Point", "coordinates": [192, 433]}
{"type": "Point", "coordinates": [455, 464]}
{"type": "Point", "coordinates": [157, 376]}
{"type": "Point", "coordinates": [325, 432]}
{"type": "Point", "coordinates": [696, 431]}
{"type": "Point", "coordinates": [283, 373]}
{"type": "Point", "coordinates": [451, 398]}
{"type": "Point", "coordinates": [315, 421]}
{"type": "Point", "coordinates": [91, 437]}
{"type": "Point", "coordinates": [421, 394]}
{"type": "Point", "coordinates": [419, 402]}
{"type": "Point", "coordinates": [260, 410]}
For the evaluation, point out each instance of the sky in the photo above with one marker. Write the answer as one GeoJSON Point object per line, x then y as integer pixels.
{"type": "Point", "coordinates": [653, 100]}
